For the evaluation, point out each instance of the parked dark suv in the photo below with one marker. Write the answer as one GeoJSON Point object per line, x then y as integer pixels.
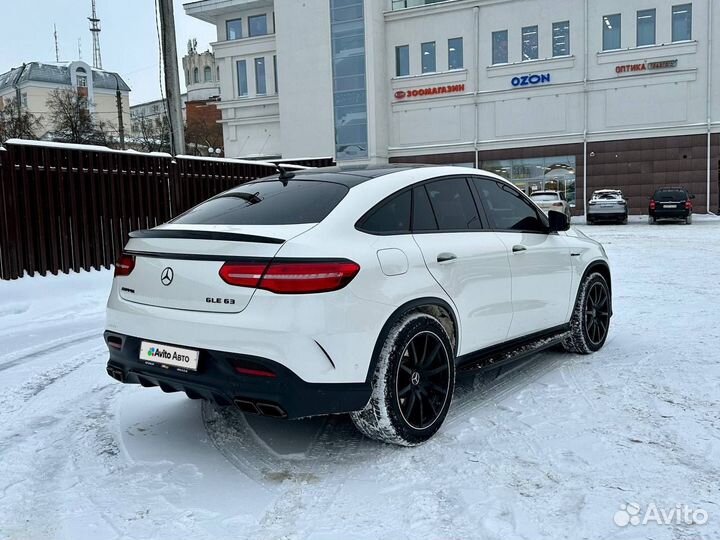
{"type": "Point", "coordinates": [671, 203]}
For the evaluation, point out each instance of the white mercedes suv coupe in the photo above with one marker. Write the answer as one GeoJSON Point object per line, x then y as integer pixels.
{"type": "Point", "coordinates": [352, 290]}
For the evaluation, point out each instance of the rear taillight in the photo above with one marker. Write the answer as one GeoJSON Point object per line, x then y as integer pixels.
{"type": "Point", "coordinates": [290, 277]}
{"type": "Point", "coordinates": [124, 265]}
{"type": "Point", "coordinates": [688, 205]}
{"type": "Point", "coordinates": [652, 204]}
{"type": "Point", "coordinates": [242, 274]}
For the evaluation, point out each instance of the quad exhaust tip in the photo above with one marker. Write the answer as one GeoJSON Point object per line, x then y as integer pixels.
{"type": "Point", "coordinates": [117, 374]}
{"type": "Point", "coordinates": [260, 407]}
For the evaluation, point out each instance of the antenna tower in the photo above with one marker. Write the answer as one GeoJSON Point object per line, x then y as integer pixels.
{"type": "Point", "coordinates": [95, 31]}
{"type": "Point", "coordinates": [57, 49]}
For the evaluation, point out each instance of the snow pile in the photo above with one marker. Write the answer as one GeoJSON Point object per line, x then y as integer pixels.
{"type": "Point", "coordinates": [551, 448]}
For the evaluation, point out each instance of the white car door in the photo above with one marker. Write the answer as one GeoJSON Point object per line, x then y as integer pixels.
{"type": "Point", "coordinates": [468, 261]}
{"type": "Point", "coordinates": [540, 261]}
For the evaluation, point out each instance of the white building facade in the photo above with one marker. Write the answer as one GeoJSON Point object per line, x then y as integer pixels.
{"type": "Point", "coordinates": [573, 95]}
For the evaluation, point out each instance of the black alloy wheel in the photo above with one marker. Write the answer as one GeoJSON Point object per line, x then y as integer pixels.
{"type": "Point", "coordinates": [597, 313]}
{"type": "Point", "coordinates": [423, 380]}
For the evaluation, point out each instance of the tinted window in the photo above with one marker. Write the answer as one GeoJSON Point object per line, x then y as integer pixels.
{"type": "Point", "coordinates": [428, 57]}
{"type": "Point", "coordinates": [402, 60]}
{"type": "Point", "coordinates": [392, 216]}
{"type": "Point", "coordinates": [611, 32]}
{"type": "Point", "coordinates": [453, 204]}
{"type": "Point", "coordinates": [423, 218]}
{"type": "Point", "coordinates": [561, 38]}
{"type": "Point", "coordinates": [682, 22]}
{"type": "Point", "coordinates": [233, 29]}
{"type": "Point", "coordinates": [268, 203]}
{"type": "Point", "coordinates": [500, 47]}
{"type": "Point", "coordinates": [670, 195]}
{"type": "Point", "coordinates": [257, 25]}
{"type": "Point", "coordinates": [530, 43]}
{"type": "Point", "coordinates": [507, 208]}
{"type": "Point", "coordinates": [455, 53]}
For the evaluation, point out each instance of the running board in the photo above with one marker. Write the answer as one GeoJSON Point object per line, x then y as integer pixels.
{"type": "Point", "coordinates": [516, 349]}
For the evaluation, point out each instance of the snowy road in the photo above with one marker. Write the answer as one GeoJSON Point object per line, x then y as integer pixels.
{"type": "Point", "coordinates": [549, 449]}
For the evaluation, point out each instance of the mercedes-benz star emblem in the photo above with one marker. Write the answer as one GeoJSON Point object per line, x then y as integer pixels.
{"type": "Point", "coordinates": [415, 378]}
{"type": "Point", "coordinates": [166, 278]}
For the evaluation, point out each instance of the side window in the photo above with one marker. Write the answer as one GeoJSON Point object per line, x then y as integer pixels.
{"type": "Point", "coordinates": [423, 218]}
{"type": "Point", "coordinates": [393, 216]}
{"type": "Point", "coordinates": [507, 208]}
{"type": "Point", "coordinates": [453, 204]}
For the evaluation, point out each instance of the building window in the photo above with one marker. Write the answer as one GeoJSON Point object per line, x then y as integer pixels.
{"type": "Point", "coordinates": [82, 81]}
{"type": "Point", "coordinates": [561, 38]}
{"type": "Point", "coordinates": [196, 75]}
{"type": "Point", "coordinates": [275, 73]}
{"type": "Point", "coordinates": [218, 73]}
{"type": "Point", "coordinates": [23, 99]}
{"type": "Point", "coordinates": [402, 60]}
{"type": "Point", "coordinates": [207, 74]}
{"type": "Point", "coordinates": [500, 47]}
{"type": "Point", "coordinates": [455, 53]}
{"type": "Point", "coordinates": [530, 43]}
{"type": "Point", "coordinates": [242, 78]}
{"type": "Point", "coordinates": [233, 29]}
{"type": "Point", "coordinates": [611, 32]}
{"type": "Point", "coordinates": [538, 174]}
{"type": "Point", "coordinates": [347, 29]}
{"type": "Point", "coordinates": [428, 57]}
{"type": "Point", "coordinates": [260, 81]}
{"type": "Point", "coordinates": [682, 22]}
{"type": "Point", "coordinates": [257, 25]}
{"type": "Point", "coordinates": [645, 27]}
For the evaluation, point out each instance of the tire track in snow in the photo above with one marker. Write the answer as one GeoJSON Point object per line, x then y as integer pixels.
{"type": "Point", "coordinates": [31, 353]}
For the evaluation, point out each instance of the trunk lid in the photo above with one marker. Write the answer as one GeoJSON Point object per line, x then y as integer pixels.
{"type": "Point", "coordinates": [177, 267]}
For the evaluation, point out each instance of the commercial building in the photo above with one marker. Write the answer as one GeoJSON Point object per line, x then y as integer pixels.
{"type": "Point", "coordinates": [572, 95]}
{"type": "Point", "coordinates": [35, 82]}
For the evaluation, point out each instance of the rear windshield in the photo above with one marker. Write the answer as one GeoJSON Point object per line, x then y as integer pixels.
{"type": "Point", "coordinates": [612, 196]}
{"type": "Point", "coordinates": [670, 195]}
{"type": "Point", "coordinates": [545, 197]}
{"type": "Point", "coordinates": [268, 203]}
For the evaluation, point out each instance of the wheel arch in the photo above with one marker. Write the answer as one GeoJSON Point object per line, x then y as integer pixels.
{"type": "Point", "coordinates": [437, 307]}
{"type": "Point", "coordinates": [601, 267]}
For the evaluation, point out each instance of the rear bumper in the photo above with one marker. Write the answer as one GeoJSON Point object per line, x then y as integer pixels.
{"type": "Point", "coordinates": [284, 396]}
{"type": "Point", "coordinates": [670, 213]}
{"type": "Point", "coordinates": [606, 215]}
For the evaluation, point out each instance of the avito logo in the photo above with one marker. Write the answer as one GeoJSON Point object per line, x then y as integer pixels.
{"type": "Point", "coordinates": [530, 80]}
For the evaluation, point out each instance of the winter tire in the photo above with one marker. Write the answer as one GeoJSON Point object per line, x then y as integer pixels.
{"type": "Point", "coordinates": [624, 221]}
{"type": "Point", "coordinates": [412, 385]}
{"type": "Point", "coordinates": [651, 220]}
{"type": "Point", "coordinates": [688, 220]}
{"type": "Point", "coordinates": [590, 320]}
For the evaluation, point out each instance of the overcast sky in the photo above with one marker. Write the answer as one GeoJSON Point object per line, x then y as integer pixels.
{"type": "Point", "coordinates": [128, 40]}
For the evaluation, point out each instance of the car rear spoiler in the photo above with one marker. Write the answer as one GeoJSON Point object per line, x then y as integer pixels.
{"type": "Point", "coordinates": [204, 235]}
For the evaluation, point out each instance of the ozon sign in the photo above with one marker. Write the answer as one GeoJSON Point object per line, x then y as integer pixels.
{"type": "Point", "coordinates": [430, 91]}
{"type": "Point", "coordinates": [530, 80]}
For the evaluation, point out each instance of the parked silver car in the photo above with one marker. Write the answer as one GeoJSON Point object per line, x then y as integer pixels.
{"type": "Point", "coordinates": [552, 200]}
{"type": "Point", "coordinates": [607, 205]}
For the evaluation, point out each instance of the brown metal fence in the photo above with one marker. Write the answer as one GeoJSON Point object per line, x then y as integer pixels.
{"type": "Point", "coordinates": [65, 207]}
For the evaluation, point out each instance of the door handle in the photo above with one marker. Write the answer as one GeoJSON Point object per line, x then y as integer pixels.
{"type": "Point", "coordinates": [446, 257]}
{"type": "Point", "coordinates": [519, 247]}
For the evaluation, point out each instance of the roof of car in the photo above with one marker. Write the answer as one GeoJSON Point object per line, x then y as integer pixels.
{"type": "Point", "coordinates": [348, 175]}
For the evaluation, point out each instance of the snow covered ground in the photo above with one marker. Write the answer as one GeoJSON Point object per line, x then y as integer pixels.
{"type": "Point", "coordinates": [549, 449]}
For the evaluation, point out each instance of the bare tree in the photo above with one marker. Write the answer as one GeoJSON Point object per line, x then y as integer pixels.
{"type": "Point", "coordinates": [73, 122]}
{"type": "Point", "coordinates": [16, 122]}
{"type": "Point", "coordinates": [153, 134]}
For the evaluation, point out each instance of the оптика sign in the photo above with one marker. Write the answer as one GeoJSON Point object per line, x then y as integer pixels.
{"type": "Point", "coordinates": [645, 66]}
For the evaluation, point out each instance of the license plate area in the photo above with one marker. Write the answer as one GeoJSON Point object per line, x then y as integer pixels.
{"type": "Point", "coordinates": [670, 205]}
{"type": "Point", "coordinates": [168, 356]}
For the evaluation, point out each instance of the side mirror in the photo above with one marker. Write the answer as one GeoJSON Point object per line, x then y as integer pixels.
{"type": "Point", "coordinates": [558, 221]}
{"type": "Point", "coordinates": [692, 195]}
